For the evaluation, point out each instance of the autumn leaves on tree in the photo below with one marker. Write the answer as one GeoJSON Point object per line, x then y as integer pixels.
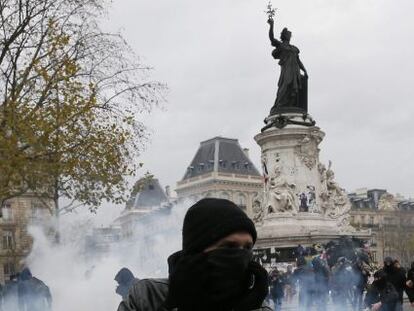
{"type": "Point", "coordinates": [70, 97]}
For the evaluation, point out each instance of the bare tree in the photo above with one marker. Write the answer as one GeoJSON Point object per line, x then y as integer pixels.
{"type": "Point", "coordinates": [70, 97]}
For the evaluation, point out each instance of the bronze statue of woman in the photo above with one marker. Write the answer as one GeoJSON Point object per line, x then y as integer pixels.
{"type": "Point", "coordinates": [292, 85]}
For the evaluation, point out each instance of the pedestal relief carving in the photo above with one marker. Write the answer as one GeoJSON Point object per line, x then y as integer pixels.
{"type": "Point", "coordinates": [334, 199]}
{"type": "Point", "coordinates": [281, 196]}
{"type": "Point", "coordinates": [307, 151]}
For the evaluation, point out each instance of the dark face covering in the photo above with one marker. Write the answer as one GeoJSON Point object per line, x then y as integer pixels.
{"type": "Point", "coordinates": [388, 268]}
{"type": "Point", "coordinates": [380, 283]}
{"type": "Point", "coordinates": [220, 280]}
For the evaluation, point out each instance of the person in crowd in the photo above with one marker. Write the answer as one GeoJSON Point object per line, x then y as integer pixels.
{"type": "Point", "coordinates": [360, 282]}
{"type": "Point", "coordinates": [213, 271]}
{"type": "Point", "coordinates": [322, 277]}
{"type": "Point", "coordinates": [410, 284]}
{"type": "Point", "coordinates": [33, 294]}
{"type": "Point", "coordinates": [9, 297]}
{"type": "Point", "coordinates": [276, 289]}
{"type": "Point", "coordinates": [289, 286]}
{"type": "Point", "coordinates": [341, 284]}
{"type": "Point", "coordinates": [125, 279]}
{"type": "Point", "coordinates": [304, 277]}
{"type": "Point", "coordinates": [381, 295]}
{"type": "Point", "coordinates": [396, 276]}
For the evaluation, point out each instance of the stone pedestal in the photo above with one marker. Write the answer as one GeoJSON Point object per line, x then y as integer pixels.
{"type": "Point", "coordinates": [301, 202]}
{"type": "Point", "coordinates": [291, 154]}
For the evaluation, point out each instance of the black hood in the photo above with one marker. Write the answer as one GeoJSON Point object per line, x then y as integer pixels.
{"type": "Point", "coordinates": [124, 276]}
{"type": "Point", "coordinates": [25, 274]}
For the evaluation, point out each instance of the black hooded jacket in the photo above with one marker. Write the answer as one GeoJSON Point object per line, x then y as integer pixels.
{"type": "Point", "coordinates": [397, 278]}
{"type": "Point", "coordinates": [125, 279]}
{"type": "Point", "coordinates": [33, 294]}
{"type": "Point", "coordinates": [410, 290]}
{"type": "Point", "coordinates": [150, 295]}
{"type": "Point", "coordinates": [384, 292]}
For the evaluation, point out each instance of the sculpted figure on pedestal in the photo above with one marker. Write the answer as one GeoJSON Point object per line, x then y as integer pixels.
{"type": "Point", "coordinates": [334, 200]}
{"type": "Point", "coordinates": [333, 186]}
{"type": "Point", "coordinates": [258, 213]}
{"type": "Point", "coordinates": [322, 173]}
{"type": "Point", "coordinates": [281, 196]}
{"type": "Point", "coordinates": [307, 152]}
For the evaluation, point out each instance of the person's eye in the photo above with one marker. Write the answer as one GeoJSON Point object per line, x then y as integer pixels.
{"type": "Point", "coordinates": [230, 245]}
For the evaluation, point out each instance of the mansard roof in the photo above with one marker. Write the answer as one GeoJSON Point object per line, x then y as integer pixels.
{"type": "Point", "coordinates": [147, 194]}
{"type": "Point", "coordinates": [220, 154]}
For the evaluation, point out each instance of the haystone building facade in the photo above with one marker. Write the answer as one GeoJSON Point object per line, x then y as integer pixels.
{"type": "Point", "coordinates": [221, 168]}
{"type": "Point", "coordinates": [391, 219]}
{"type": "Point", "coordinates": [17, 214]}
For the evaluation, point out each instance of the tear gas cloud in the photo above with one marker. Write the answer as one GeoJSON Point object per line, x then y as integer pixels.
{"type": "Point", "coordinates": [81, 279]}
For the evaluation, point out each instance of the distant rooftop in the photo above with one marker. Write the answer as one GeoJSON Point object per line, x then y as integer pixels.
{"type": "Point", "coordinates": [221, 154]}
{"type": "Point", "coordinates": [147, 194]}
{"type": "Point", "coordinates": [365, 198]}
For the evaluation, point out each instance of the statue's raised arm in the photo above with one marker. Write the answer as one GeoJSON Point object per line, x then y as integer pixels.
{"type": "Point", "coordinates": [272, 38]}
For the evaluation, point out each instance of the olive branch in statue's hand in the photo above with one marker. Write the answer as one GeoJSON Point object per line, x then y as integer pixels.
{"type": "Point", "coordinates": [271, 12]}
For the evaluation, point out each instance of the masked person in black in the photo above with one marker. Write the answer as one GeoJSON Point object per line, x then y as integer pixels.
{"type": "Point", "coordinates": [33, 294]}
{"type": "Point", "coordinates": [381, 295]}
{"type": "Point", "coordinates": [396, 276]}
{"type": "Point", "coordinates": [410, 284]}
{"type": "Point", "coordinates": [214, 271]}
{"type": "Point", "coordinates": [125, 279]}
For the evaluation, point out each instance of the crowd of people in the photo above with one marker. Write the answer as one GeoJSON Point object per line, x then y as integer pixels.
{"type": "Point", "coordinates": [216, 269]}
{"type": "Point", "coordinates": [24, 292]}
{"type": "Point", "coordinates": [347, 285]}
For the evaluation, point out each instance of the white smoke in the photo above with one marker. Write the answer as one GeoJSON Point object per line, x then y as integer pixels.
{"type": "Point", "coordinates": [82, 280]}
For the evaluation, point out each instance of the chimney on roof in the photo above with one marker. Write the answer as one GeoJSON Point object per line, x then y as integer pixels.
{"type": "Point", "coordinates": [246, 152]}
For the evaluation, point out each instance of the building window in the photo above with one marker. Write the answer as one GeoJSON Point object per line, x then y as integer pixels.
{"type": "Point", "coordinates": [6, 211]}
{"type": "Point", "coordinates": [9, 268]}
{"type": "Point", "coordinates": [36, 209]}
{"type": "Point", "coordinates": [8, 241]}
{"type": "Point", "coordinates": [371, 220]}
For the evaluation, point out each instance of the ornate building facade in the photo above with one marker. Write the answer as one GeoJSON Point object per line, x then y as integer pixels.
{"type": "Point", "coordinates": [17, 214]}
{"type": "Point", "coordinates": [391, 219]}
{"type": "Point", "coordinates": [222, 168]}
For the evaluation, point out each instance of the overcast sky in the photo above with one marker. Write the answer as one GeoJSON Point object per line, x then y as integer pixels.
{"type": "Point", "coordinates": [216, 58]}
